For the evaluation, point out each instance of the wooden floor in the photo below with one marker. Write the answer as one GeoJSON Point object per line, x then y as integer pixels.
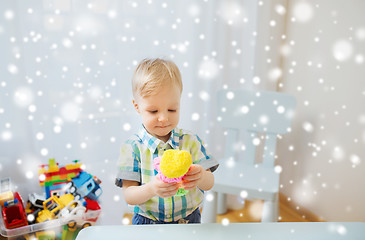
{"type": "Point", "coordinates": [252, 213]}
{"type": "Point", "coordinates": [288, 212]}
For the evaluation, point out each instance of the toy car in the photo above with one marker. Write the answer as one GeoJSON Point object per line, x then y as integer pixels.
{"type": "Point", "coordinates": [85, 185]}
{"type": "Point", "coordinates": [14, 213]}
{"type": "Point", "coordinates": [52, 207]}
{"type": "Point", "coordinates": [74, 209]}
{"type": "Point", "coordinates": [88, 218]}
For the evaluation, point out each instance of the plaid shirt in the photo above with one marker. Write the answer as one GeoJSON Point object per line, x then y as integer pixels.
{"type": "Point", "coordinates": [136, 164]}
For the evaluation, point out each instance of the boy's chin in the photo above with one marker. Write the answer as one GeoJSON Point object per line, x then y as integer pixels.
{"type": "Point", "coordinates": [163, 133]}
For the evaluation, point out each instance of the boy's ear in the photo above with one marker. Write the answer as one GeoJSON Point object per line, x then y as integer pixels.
{"type": "Point", "coordinates": [135, 104]}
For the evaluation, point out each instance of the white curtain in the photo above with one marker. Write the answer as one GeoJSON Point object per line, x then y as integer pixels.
{"type": "Point", "coordinates": [66, 68]}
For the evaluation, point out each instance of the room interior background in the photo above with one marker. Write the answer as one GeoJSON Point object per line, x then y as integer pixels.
{"type": "Point", "coordinates": [65, 70]}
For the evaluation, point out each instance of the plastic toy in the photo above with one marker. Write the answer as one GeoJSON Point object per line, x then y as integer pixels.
{"type": "Point", "coordinates": [46, 235]}
{"type": "Point", "coordinates": [14, 213]}
{"type": "Point", "coordinates": [5, 191]}
{"type": "Point", "coordinates": [76, 206]}
{"type": "Point", "coordinates": [92, 210]}
{"type": "Point", "coordinates": [77, 223]}
{"type": "Point", "coordinates": [85, 185]}
{"type": "Point", "coordinates": [172, 167]}
{"type": "Point", "coordinates": [53, 206]}
{"type": "Point", "coordinates": [55, 178]}
{"type": "Point", "coordinates": [73, 209]}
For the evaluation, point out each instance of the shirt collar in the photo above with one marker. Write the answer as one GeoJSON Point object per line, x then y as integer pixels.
{"type": "Point", "coordinates": [152, 142]}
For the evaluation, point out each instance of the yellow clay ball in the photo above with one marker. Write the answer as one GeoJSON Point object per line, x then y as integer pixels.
{"type": "Point", "coordinates": [175, 163]}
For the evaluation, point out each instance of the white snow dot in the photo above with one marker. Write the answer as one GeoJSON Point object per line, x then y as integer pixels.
{"type": "Point", "coordinates": [195, 116]}
{"type": "Point", "coordinates": [209, 197]}
{"type": "Point", "coordinates": [6, 135]}
{"type": "Point", "coordinates": [44, 151]}
{"type": "Point", "coordinates": [342, 50]}
{"type": "Point", "coordinates": [308, 127]}
{"type": "Point", "coordinates": [32, 108]}
{"type": "Point", "coordinates": [204, 95]}
{"type": "Point", "coordinates": [208, 69]}
{"type": "Point", "coordinates": [256, 80]}
{"type": "Point", "coordinates": [112, 14]}
{"type": "Point", "coordinates": [194, 10]}
{"type": "Point", "coordinates": [341, 230]}
{"type": "Point", "coordinates": [360, 34]}
{"type": "Point", "coordinates": [95, 92]}
{"type": "Point", "coordinates": [9, 14]}
{"type": "Point", "coordinates": [230, 95]}
{"type": "Point", "coordinates": [40, 136]}
{"type": "Point", "coordinates": [13, 69]}
{"type": "Point", "coordinates": [355, 160]}
{"type": "Point", "coordinates": [359, 59]}
{"type": "Point", "coordinates": [83, 145]}
{"type": "Point", "coordinates": [29, 175]}
{"type": "Point", "coordinates": [70, 111]}
{"type": "Point", "coordinates": [264, 119]}
{"type": "Point", "coordinates": [278, 169]}
{"type": "Point", "coordinates": [280, 9]}
{"type": "Point", "coordinates": [245, 109]}
{"type": "Point", "coordinates": [67, 43]}
{"type": "Point", "coordinates": [125, 221]}
{"type": "Point", "coordinates": [230, 12]}
{"type": "Point", "coordinates": [57, 129]}
{"type": "Point", "coordinates": [280, 109]}
{"type": "Point", "coordinates": [256, 141]}
{"type": "Point", "coordinates": [225, 221]}
{"type": "Point", "coordinates": [303, 11]}
{"type": "Point", "coordinates": [42, 177]}
{"type": "Point", "coordinates": [274, 74]}
{"type": "Point", "coordinates": [126, 127]}
{"type": "Point", "coordinates": [243, 194]}
{"type": "Point", "coordinates": [116, 198]}
{"type": "Point", "coordinates": [338, 153]}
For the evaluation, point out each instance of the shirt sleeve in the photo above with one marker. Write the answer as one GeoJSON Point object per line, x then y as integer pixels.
{"type": "Point", "coordinates": [129, 163]}
{"type": "Point", "coordinates": [200, 154]}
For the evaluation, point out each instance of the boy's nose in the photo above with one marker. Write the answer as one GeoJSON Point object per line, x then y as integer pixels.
{"type": "Point", "coordinates": [162, 118]}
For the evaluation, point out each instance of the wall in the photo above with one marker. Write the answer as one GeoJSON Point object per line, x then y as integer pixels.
{"type": "Point", "coordinates": [65, 70]}
{"type": "Point", "coordinates": [323, 157]}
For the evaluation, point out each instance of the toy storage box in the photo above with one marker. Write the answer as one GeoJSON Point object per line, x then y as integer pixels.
{"type": "Point", "coordinates": [50, 230]}
{"type": "Point", "coordinates": [59, 183]}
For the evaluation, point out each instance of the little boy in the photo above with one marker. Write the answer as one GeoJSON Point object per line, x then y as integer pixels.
{"type": "Point", "coordinates": [157, 87]}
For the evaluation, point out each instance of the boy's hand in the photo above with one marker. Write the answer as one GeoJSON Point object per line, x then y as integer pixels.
{"type": "Point", "coordinates": [162, 189]}
{"type": "Point", "coordinates": [193, 177]}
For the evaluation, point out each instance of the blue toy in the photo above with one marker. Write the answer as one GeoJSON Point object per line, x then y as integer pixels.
{"type": "Point", "coordinates": [85, 185]}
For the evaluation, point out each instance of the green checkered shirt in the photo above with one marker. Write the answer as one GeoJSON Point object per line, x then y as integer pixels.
{"type": "Point", "coordinates": [136, 164]}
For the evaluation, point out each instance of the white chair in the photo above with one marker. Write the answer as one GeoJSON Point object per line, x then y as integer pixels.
{"type": "Point", "coordinates": [261, 116]}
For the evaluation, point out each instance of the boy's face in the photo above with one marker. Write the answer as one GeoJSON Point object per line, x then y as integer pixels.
{"type": "Point", "coordinates": [160, 112]}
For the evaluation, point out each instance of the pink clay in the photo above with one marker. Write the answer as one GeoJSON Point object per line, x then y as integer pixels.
{"type": "Point", "coordinates": [156, 165]}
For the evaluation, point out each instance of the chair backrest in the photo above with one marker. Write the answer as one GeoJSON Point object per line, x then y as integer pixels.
{"type": "Point", "coordinates": [254, 112]}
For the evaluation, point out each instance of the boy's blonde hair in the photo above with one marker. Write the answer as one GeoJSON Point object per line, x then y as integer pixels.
{"type": "Point", "coordinates": [151, 74]}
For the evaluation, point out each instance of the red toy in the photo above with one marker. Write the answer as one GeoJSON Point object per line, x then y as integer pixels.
{"type": "Point", "coordinates": [14, 213]}
{"type": "Point", "coordinates": [92, 209]}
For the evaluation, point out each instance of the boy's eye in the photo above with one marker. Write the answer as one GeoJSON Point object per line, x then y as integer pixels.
{"type": "Point", "coordinates": [172, 110]}
{"type": "Point", "coordinates": [155, 111]}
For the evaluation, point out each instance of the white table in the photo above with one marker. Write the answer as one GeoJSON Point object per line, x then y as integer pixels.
{"type": "Point", "coordinates": [217, 231]}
